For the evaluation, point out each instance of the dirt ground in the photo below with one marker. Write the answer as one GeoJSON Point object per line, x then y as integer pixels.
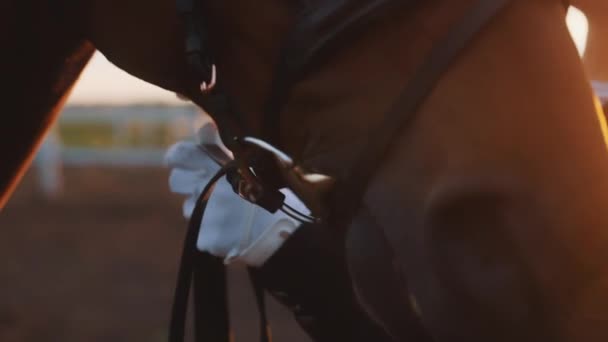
{"type": "Point", "coordinates": [99, 263]}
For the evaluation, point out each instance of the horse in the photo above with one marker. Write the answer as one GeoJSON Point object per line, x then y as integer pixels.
{"type": "Point", "coordinates": [597, 15]}
{"type": "Point", "coordinates": [483, 221]}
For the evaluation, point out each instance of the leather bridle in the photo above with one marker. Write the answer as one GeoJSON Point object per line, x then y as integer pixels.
{"type": "Point", "coordinates": [304, 47]}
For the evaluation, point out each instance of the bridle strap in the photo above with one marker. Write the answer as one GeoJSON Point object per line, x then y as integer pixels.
{"type": "Point", "coordinates": [348, 195]}
{"type": "Point", "coordinates": [198, 55]}
{"type": "Point", "coordinates": [217, 329]}
{"type": "Point", "coordinates": [196, 40]}
{"type": "Point", "coordinates": [308, 39]}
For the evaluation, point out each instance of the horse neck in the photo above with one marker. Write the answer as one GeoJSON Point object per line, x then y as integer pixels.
{"type": "Point", "coordinates": [597, 44]}
{"type": "Point", "coordinates": [512, 123]}
{"type": "Point", "coordinates": [330, 105]}
{"type": "Point", "coordinates": [246, 38]}
{"type": "Point", "coordinates": [336, 105]}
{"type": "Point", "coordinates": [514, 118]}
{"type": "Point", "coordinates": [334, 109]}
{"type": "Point", "coordinates": [524, 57]}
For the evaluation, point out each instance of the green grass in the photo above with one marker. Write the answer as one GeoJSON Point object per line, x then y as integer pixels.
{"type": "Point", "coordinates": [86, 135]}
{"type": "Point", "coordinates": [103, 135]}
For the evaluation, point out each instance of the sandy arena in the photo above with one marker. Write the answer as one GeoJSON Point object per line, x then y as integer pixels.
{"type": "Point", "coordinates": [99, 263]}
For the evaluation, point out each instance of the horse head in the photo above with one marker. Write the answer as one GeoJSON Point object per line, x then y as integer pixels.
{"type": "Point", "coordinates": [484, 219]}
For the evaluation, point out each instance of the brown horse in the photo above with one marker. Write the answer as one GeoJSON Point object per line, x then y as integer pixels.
{"type": "Point", "coordinates": [597, 49]}
{"type": "Point", "coordinates": [501, 243]}
{"type": "Point", "coordinates": [489, 208]}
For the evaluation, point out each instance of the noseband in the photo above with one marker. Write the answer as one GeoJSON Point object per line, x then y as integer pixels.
{"type": "Point", "coordinates": [305, 44]}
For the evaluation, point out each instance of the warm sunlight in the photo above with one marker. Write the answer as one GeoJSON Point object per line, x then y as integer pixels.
{"type": "Point", "coordinates": [104, 83]}
{"type": "Point", "coordinates": [579, 28]}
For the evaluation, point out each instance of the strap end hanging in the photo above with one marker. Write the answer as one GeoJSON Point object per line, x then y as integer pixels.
{"type": "Point", "coordinates": [208, 85]}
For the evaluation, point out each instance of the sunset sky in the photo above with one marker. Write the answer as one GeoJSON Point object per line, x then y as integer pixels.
{"type": "Point", "coordinates": [103, 83]}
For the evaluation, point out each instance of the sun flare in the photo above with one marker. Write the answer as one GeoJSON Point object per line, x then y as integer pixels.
{"type": "Point", "coordinates": [579, 28]}
{"type": "Point", "coordinates": [102, 82]}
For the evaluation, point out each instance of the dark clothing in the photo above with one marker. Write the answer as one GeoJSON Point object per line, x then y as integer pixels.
{"type": "Point", "coordinates": [308, 274]}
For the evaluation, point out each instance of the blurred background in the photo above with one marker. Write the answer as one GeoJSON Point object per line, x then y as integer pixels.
{"type": "Point", "coordinates": [90, 241]}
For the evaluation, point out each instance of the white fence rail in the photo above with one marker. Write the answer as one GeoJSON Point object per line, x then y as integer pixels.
{"type": "Point", "coordinates": [180, 121]}
{"type": "Point", "coordinates": [83, 156]}
{"type": "Point", "coordinates": [53, 155]}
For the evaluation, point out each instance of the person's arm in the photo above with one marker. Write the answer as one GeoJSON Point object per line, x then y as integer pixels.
{"type": "Point", "coordinates": [302, 266]}
{"type": "Point", "coordinates": [308, 275]}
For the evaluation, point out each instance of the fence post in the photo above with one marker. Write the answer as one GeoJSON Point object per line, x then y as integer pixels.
{"type": "Point", "coordinates": [49, 165]}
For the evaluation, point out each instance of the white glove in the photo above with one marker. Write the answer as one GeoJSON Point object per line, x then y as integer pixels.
{"type": "Point", "coordinates": [191, 170]}
{"type": "Point", "coordinates": [232, 227]}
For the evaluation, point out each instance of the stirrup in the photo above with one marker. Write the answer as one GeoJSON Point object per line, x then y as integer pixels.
{"type": "Point", "coordinates": [310, 187]}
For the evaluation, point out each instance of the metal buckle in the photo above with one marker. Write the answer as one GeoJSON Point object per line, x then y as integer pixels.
{"type": "Point", "coordinates": [283, 158]}
{"type": "Point", "coordinates": [249, 191]}
{"type": "Point", "coordinates": [310, 187]}
{"type": "Point", "coordinates": [207, 86]}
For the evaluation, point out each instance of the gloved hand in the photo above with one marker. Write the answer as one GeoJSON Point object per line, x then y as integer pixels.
{"type": "Point", "coordinates": [191, 167]}
{"type": "Point", "coordinates": [232, 228]}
